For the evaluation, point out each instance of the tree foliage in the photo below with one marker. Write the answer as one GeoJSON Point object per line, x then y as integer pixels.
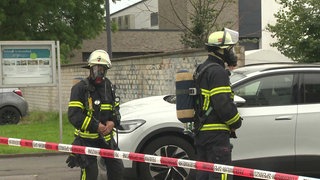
{"type": "Point", "coordinates": [204, 18]}
{"type": "Point", "coordinates": [297, 30]}
{"type": "Point", "coordinates": [67, 21]}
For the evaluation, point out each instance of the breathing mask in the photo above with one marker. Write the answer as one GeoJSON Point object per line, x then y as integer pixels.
{"type": "Point", "coordinates": [229, 56]}
{"type": "Point", "coordinates": [97, 73]}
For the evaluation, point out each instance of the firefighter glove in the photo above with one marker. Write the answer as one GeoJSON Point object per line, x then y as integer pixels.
{"type": "Point", "coordinates": [233, 134]}
{"type": "Point", "coordinates": [72, 161]}
{"type": "Point", "coordinates": [77, 160]}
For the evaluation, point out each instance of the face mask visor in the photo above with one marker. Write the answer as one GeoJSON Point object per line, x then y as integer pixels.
{"type": "Point", "coordinates": [230, 37]}
{"type": "Point", "coordinates": [98, 73]}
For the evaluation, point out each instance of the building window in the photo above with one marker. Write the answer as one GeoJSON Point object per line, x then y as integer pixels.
{"type": "Point", "coordinates": [120, 22]}
{"type": "Point", "coordinates": [154, 19]}
{"type": "Point", "coordinates": [126, 22]}
{"type": "Point", "coordinates": [114, 20]}
{"type": "Point", "coordinates": [123, 22]}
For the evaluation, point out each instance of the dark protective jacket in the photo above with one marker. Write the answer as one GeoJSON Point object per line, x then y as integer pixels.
{"type": "Point", "coordinates": [90, 104]}
{"type": "Point", "coordinates": [215, 92]}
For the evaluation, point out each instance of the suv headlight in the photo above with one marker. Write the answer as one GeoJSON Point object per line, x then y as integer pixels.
{"type": "Point", "coordinates": [130, 125]}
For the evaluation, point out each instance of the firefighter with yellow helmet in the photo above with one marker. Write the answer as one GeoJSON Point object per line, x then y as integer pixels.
{"type": "Point", "coordinates": [94, 112]}
{"type": "Point", "coordinates": [216, 116]}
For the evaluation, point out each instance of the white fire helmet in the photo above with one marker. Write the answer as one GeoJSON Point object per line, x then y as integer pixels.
{"type": "Point", "coordinates": [100, 57]}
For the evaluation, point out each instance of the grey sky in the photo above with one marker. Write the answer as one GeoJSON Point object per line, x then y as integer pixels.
{"type": "Point", "coordinates": [121, 4]}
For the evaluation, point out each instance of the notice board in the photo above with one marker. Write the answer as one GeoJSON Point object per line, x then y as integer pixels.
{"type": "Point", "coordinates": [27, 63]}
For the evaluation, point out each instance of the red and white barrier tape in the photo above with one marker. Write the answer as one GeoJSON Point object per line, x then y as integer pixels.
{"type": "Point", "coordinates": [203, 166]}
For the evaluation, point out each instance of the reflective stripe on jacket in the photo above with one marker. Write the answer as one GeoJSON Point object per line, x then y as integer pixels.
{"type": "Point", "coordinates": [89, 135]}
{"type": "Point", "coordinates": [208, 93]}
{"type": "Point", "coordinates": [215, 127]}
{"type": "Point", "coordinates": [88, 118]}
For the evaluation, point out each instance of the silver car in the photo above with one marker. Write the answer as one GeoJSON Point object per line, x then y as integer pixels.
{"type": "Point", "coordinates": [12, 106]}
{"type": "Point", "coordinates": [280, 105]}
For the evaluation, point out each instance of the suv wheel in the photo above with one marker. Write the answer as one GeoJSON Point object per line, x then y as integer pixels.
{"type": "Point", "coordinates": [9, 115]}
{"type": "Point", "coordinates": [168, 146]}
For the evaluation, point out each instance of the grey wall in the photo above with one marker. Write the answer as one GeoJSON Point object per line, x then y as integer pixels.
{"type": "Point", "coordinates": [134, 77]}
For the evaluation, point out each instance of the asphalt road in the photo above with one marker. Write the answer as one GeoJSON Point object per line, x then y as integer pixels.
{"type": "Point", "coordinates": [37, 167]}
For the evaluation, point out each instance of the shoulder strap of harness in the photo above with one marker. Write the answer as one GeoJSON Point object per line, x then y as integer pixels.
{"type": "Point", "coordinates": [88, 99]}
{"type": "Point", "coordinates": [197, 74]}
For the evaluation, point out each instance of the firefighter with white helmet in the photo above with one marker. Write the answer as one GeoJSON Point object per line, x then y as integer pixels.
{"type": "Point", "coordinates": [94, 112]}
{"type": "Point", "coordinates": [98, 63]}
{"type": "Point", "coordinates": [220, 44]}
{"type": "Point", "coordinates": [216, 116]}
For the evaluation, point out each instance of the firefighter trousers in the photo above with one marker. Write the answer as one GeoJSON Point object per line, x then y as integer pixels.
{"type": "Point", "coordinates": [214, 152]}
{"type": "Point", "coordinates": [114, 169]}
{"type": "Point", "coordinates": [113, 166]}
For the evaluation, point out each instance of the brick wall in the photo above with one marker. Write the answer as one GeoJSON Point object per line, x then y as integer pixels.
{"type": "Point", "coordinates": [135, 77]}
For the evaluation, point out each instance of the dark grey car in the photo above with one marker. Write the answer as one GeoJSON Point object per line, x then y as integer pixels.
{"type": "Point", "coordinates": [12, 106]}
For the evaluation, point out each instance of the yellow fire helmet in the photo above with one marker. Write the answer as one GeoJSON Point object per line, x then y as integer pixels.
{"type": "Point", "coordinates": [99, 57]}
{"type": "Point", "coordinates": [223, 39]}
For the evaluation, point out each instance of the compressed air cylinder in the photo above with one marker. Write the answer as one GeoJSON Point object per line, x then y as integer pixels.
{"type": "Point", "coordinates": [184, 99]}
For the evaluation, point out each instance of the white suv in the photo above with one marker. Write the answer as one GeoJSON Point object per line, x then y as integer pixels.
{"type": "Point", "coordinates": [280, 105]}
{"type": "Point", "coordinates": [281, 118]}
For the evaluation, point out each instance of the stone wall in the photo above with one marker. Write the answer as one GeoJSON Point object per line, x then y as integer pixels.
{"type": "Point", "coordinates": [134, 77]}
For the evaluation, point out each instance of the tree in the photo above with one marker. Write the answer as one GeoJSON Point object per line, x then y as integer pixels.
{"type": "Point", "coordinates": [69, 21]}
{"type": "Point", "coordinates": [297, 30]}
{"type": "Point", "coordinates": [205, 17]}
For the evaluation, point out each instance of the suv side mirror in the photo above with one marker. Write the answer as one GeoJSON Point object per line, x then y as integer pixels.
{"type": "Point", "coordinates": [239, 101]}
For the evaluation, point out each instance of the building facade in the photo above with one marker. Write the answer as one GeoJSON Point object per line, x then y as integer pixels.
{"type": "Point", "coordinates": [149, 27]}
{"type": "Point", "coordinates": [155, 26]}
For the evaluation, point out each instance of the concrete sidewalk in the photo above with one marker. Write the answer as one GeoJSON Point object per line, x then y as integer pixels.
{"type": "Point", "coordinates": [37, 167]}
{"type": "Point", "coordinates": [20, 177]}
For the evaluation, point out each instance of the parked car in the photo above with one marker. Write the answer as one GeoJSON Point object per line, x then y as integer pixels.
{"type": "Point", "coordinates": [280, 105]}
{"type": "Point", "coordinates": [12, 106]}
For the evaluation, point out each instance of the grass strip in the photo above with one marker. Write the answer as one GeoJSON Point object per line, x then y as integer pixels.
{"type": "Point", "coordinates": [39, 126]}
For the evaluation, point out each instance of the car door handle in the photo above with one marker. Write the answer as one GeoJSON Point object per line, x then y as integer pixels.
{"type": "Point", "coordinates": [281, 118]}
